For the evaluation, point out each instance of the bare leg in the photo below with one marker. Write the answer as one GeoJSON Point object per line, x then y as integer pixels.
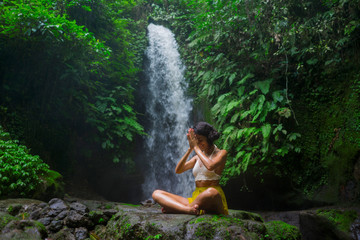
{"type": "Point", "coordinates": [210, 201]}
{"type": "Point", "coordinates": [174, 204]}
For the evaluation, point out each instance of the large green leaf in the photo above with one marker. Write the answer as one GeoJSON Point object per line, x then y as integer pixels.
{"type": "Point", "coordinates": [264, 86]}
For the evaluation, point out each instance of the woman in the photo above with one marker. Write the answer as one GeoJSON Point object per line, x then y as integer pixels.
{"type": "Point", "coordinates": [207, 165]}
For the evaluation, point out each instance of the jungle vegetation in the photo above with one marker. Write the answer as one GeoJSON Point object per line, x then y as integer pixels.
{"type": "Point", "coordinates": [279, 79]}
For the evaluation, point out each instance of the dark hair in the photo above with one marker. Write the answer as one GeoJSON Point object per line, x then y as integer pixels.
{"type": "Point", "coordinates": [205, 129]}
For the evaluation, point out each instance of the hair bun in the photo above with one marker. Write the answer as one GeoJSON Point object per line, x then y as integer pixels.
{"type": "Point", "coordinates": [207, 130]}
{"type": "Point", "coordinates": [214, 135]}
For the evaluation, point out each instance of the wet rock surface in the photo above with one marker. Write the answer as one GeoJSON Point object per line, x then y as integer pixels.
{"type": "Point", "coordinates": [76, 219]}
{"type": "Point", "coordinates": [57, 219]}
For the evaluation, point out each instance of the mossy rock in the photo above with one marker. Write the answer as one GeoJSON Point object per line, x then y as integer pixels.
{"type": "Point", "coordinates": [278, 230]}
{"type": "Point", "coordinates": [315, 226]}
{"type": "Point", "coordinates": [51, 186]}
{"type": "Point", "coordinates": [144, 224]}
{"type": "Point", "coordinates": [24, 230]}
{"type": "Point", "coordinates": [342, 219]}
{"type": "Point", "coordinates": [133, 222]}
{"type": "Point", "coordinates": [5, 218]}
{"type": "Point", "coordinates": [224, 227]}
{"type": "Point", "coordinates": [24, 202]}
{"type": "Point", "coordinates": [14, 209]}
{"type": "Point", "coordinates": [245, 215]}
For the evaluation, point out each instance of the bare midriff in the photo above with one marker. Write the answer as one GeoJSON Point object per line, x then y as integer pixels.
{"type": "Point", "coordinates": [207, 183]}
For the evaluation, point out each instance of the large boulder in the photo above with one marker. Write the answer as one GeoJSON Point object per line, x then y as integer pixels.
{"type": "Point", "coordinates": [144, 223]}
{"type": "Point", "coordinates": [328, 224]}
{"type": "Point", "coordinates": [83, 219]}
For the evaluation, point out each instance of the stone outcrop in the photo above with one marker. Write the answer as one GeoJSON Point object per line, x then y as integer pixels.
{"type": "Point", "coordinates": [75, 219]}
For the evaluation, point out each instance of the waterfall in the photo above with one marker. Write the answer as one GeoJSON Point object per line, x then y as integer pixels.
{"type": "Point", "coordinates": [167, 115]}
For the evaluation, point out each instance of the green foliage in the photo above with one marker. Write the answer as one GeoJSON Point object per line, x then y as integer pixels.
{"type": "Point", "coordinates": [69, 70]}
{"type": "Point", "coordinates": [279, 230]}
{"type": "Point", "coordinates": [260, 65]}
{"type": "Point", "coordinates": [342, 219]}
{"type": "Point", "coordinates": [20, 172]}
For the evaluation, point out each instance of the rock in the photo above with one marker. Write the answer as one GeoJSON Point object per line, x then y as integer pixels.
{"type": "Point", "coordinates": [245, 215]}
{"type": "Point", "coordinates": [57, 205]}
{"type": "Point", "coordinates": [81, 233]}
{"type": "Point", "coordinates": [19, 235]}
{"type": "Point", "coordinates": [62, 215]}
{"type": "Point", "coordinates": [53, 213]}
{"type": "Point", "coordinates": [63, 234]}
{"type": "Point", "coordinates": [98, 217]}
{"type": "Point", "coordinates": [35, 215]}
{"type": "Point", "coordinates": [149, 222]}
{"type": "Point", "coordinates": [24, 202]}
{"type": "Point", "coordinates": [109, 212]}
{"type": "Point", "coordinates": [45, 221]}
{"type": "Point", "coordinates": [74, 219]}
{"type": "Point", "coordinates": [282, 231]}
{"type": "Point", "coordinates": [55, 225]}
{"type": "Point", "coordinates": [208, 227]}
{"type": "Point", "coordinates": [24, 229]}
{"type": "Point", "coordinates": [313, 226]}
{"type": "Point", "coordinates": [148, 203]}
{"type": "Point", "coordinates": [14, 209]}
{"type": "Point", "coordinates": [42, 205]}
{"type": "Point", "coordinates": [5, 218]}
{"type": "Point", "coordinates": [255, 226]}
{"type": "Point", "coordinates": [355, 229]}
{"type": "Point", "coordinates": [80, 208]}
{"type": "Point", "coordinates": [44, 212]}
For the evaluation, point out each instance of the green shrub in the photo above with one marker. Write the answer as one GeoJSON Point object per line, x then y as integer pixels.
{"type": "Point", "coordinates": [20, 172]}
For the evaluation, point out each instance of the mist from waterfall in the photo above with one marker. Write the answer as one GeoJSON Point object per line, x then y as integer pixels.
{"type": "Point", "coordinates": [167, 115]}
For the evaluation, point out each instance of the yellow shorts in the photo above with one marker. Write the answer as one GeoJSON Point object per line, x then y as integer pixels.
{"type": "Point", "coordinates": [199, 190]}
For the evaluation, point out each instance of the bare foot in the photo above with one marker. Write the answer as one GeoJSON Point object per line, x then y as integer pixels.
{"type": "Point", "coordinates": [194, 210]}
{"type": "Point", "coordinates": [167, 210]}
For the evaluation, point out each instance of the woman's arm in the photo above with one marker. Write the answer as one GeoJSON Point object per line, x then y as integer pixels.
{"type": "Point", "coordinates": [210, 164]}
{"type": "Point", "coordinates": [184, 165]}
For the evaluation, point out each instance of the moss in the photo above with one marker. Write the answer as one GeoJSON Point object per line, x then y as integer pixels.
{"type": "Point", "coordinates": [341, 219]}
{"type": "Point", "coordinates": [51, 185]}
{"type": "Point", "coordinates": [129, 204]}
{"type": "Point", "coordinates": [108, 206]}
{"type": "Point", "coordinates": [218, 227]}
{"type": "Point", "coordinates": [14, 209]}
{"type": "Point", "coordinates": [39, 226]}
{"type": "Point", "coordinates": [197, 220]}
{"type": "Point", "coordinates": [206, 232]}
{"type": "Point", "coordinates": [330, 139]}
{"type": "Point", "coordinates": [246, 215]}
{"type": "Point", "coordinates": [121, 226]}
{"type": "Point", "coordinates": [278, 230]}
{"type": "Point", "coordinates": [5, 219]}
{"type": "Point", "coordinates": [157, 236]}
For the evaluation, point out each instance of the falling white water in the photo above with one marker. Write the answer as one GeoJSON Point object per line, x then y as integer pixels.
{"type": "Point", "coordinates": [167, 112]}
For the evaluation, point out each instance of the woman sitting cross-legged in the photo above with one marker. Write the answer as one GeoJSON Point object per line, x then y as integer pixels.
{"type": "Point", "coordinates": [207, 165]}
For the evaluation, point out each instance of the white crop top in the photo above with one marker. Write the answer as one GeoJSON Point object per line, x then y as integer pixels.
{"type": "Point", "coordinates": [202, 173]}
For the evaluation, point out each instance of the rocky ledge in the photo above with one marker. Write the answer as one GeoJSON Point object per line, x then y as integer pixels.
{"type": "Point", "coordinates": [75, 219]}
